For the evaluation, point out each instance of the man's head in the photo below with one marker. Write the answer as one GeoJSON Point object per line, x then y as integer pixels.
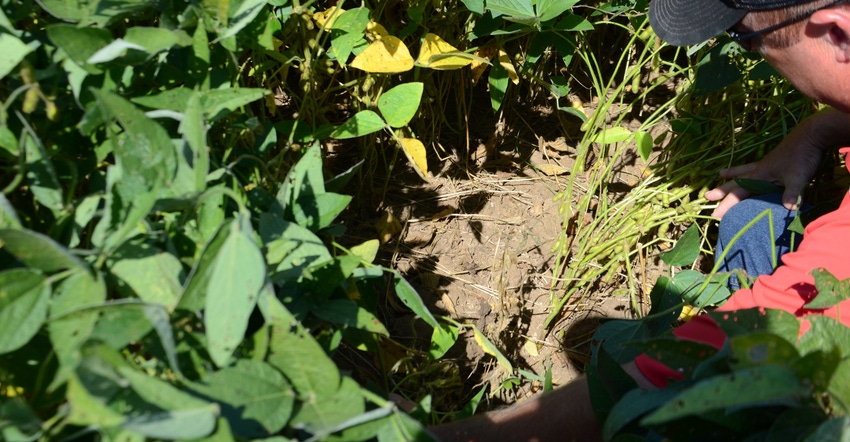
{"type": "Point", "coordinates": [807, 41]}
{"type": "Point", "coordinates": [688, 22]}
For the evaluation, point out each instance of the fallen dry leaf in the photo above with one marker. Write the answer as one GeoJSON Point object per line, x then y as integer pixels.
{"type": "Point", "coordinates": [551, 169]}
{"type": "Point", "coordinates": [387, 226]}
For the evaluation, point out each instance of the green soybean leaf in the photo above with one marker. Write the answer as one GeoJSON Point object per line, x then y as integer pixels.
{"type": "Point", "coordinates": [839, 385]}
{"type": "Point", "coordinates": [195, 138]}
{"type": "Point", "coordinates": [318, 211]}
{"type": "Point", "coordinates": [347, 313]}
{"type": "Point", "coordinates": [255, 398]}
{"type": "Point", "coordinates": [835, 429]}
{"type": "Point", "coordinates": [615, 334]}
{"type": "Point", "coordinates": [633, 405]}
{"type": "Point", "coordinates": [223, 433]}
{"type": "Point", "coordinates": [758, 348]}
{"type": "Point", "coordinates": [68, 328]}
{"type": "Point", "coordinates": [498, 80]}
{"type": "Point", "coordinates": [121, 323]}
{"type": "Point", "coordinates": [158, 392]}
{"type": "Point", "coordinates": [824, 333]}
{"type": "Point", "coordinates": [644, 144]}
{"type": "Point", "coordinates": [118, 49]}
{"type": "Point", "coordinates": [8, 143]}
{"type": "Point", "coordinates": [17, 421]}
{"type": "Point", "coordinates": [295, 352]}
{"type": "Point", "coordinates": [521, 9]}
{"type": "Point", "coordinates": [411, 299]}
{"type": "Point", "coordinates": [39, 251]}
{"type": "Point", "coordinates": [769, 384]}
{"type": "Point", "coordinates": [150, 273]}
{"type": "Point", "coordinates": [174, 424]}
{"type": "Point", "coordinates": [797, 226]}
{"type": "Point", "coordinates": [24, 300]}
{"type": "Point", "coordinates": [362, 123]}
{"type": "Point", "coordinates": [195, 291]}
{"type": "Point", "coordinates": [573, 22]}
{"type": "Point", "coordinates": [146, 154]}
{"type": "Point", "coordinates": [476, 6]}
{"type": "Point", "coordinates": [84, 211]}
{"type": "Point", "coordinates": [347, 32]}
{"type": "Point", "coordinates": [79, 43]}
{"type": "Point", "coordinates": [183, 415]}
{"type": "Point", "coordinates": [664, 297]}
{"type": "Point", "coordinates": [290, 248]}
{"type": "Point", "coordinates": [239, 18]}
{"type": "Point", "coordinates": [399, 104]}
{"type": "Point", "coordinates": [125, 216]}
{"type": "Point", "coordinates": [199, 67]}
{"type": "Point", "coordinates": [154, 40]}
{"type": "Point", "coordinates": [175, 99]}
{"type": "Point", "coordinates": [795, 424]}
{"type": "Point", "coordinates": [8, 215]}
{"type": "Point", "coordinates": [680, 354]}
{"type": "Point", "coordinates": [831, 291]}
{"type": "Point", "coordinates": [304, 178]}
{"type": "Point", "coordinates": [402, 427]}
{"type": "Point", "coordinates": [442, 339]}
{"type": "Point", "coordinates": [214, 104]}
{"type": "Point", "coordinates": [220, 102]}
{"type": "Point", "coordinates": [367, 251]}
{"type": "Point", "coordinates": [694, 289]}
{"type": "Point", "coordinates": [686, 250]}
{"type": "Point", "coordinates": [86, 409]}
{"type": "Point", "coordinates": [325, 411]}
{"type": "Point", "coordinates": [41, 176]}
{"type": "Point", "coordinates": [742, 322]}
{"type": "Point", "coordinates": [611, 135]}
{"type": "Point", "coordinates": [238, 274]}
{"type": "Point", "coordinates": [549, 9]}
{"type": "Point", "coordinates": [160, 319]}
{"type": "Point", "coordinates": [14, 51]}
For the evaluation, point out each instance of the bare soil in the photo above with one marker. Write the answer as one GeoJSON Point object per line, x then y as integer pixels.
{"type": "Point", "coordinates": [476, 242]}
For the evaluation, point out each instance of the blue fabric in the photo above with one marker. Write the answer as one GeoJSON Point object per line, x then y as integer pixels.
{"type": "Point", "coordinates": [753, 251]}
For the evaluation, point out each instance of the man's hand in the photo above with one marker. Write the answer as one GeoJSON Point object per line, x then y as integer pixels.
{"type": "Point", "coordinates": [792, 164]}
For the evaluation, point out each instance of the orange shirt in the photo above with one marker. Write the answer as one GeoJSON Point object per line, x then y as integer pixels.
{"type": "Point", "coordinates": [825, 244]}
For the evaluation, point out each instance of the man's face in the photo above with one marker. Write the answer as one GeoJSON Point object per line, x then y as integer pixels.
{"type": "Point", "coordinates": [808, 64]}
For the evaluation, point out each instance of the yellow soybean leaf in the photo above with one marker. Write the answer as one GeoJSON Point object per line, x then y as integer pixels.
{"type": "Point", "coordinates": [506, 63]}
{"type": "Point", "coordinates": [531, 348]}
{"type": "Point", "coordinates": [326, 19]}
{"type": "Point", "coordinates": [388, 55]}
{"type": "Point", "coordinates": [688, 313]}
{"type": "Point", "coordinates": [479, 66]}
{"type": "Point", "coordinates": [491, 350]}
{"type": "Point", "coordinates": [437, 53]}
{"type": "Point", "coordinates": [414, 150]}
{"type": "Point", "coordinates": [376, 31]}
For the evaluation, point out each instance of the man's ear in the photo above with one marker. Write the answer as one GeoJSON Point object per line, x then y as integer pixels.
{"type": "Point", "coordinates": [836, 23]}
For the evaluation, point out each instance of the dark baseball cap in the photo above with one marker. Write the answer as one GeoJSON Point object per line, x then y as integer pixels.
{"type": "Point", "coordinates": [688, 22]}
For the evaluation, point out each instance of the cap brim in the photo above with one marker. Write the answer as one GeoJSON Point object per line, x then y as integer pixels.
{"type": "Point", "coordinates": [688, 22]}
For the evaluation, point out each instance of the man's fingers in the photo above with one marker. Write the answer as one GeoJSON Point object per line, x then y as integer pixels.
{"type": "Point", "coordinates": [734, 197]}
{"type": "Point", "coordinates": [720, 192]}
{"type": "Point", "coordinates": [737, 171]}
{"type": "Point", "coordinates": [789, 198]}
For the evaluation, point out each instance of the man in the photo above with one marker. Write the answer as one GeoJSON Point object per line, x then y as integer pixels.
{"type": "Point", "coordinates": [808, 42]}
